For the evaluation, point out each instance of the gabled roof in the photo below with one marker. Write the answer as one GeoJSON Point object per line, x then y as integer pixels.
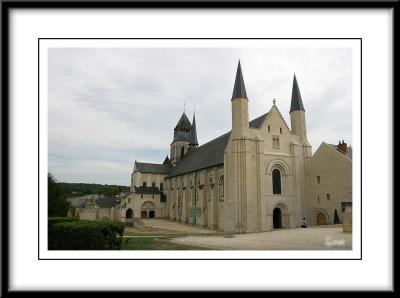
{"type": "Point", "coordinates": [106, 202]}
{"type": "Point", "coordinates": [153, 168]}
{"type": "Point", "coordinates": [205, 156]}
{"type": "Point", "coordinates": [239, 90]}
{"type": "Point", "coordinates": [209, 154]}
{"type": "Point", "coordinates": [78, 202]}
{"type": "Point", "coordinates": [296, 103]}
{"type": "Point", "coordinates": [146, 190]}
{"type": "Point", "coordinates": [349, 153]}
{"type": "Point", "coordinates": [257, 123]}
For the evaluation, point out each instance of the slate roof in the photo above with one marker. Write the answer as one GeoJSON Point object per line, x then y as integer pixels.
{"type": "Point", "coordinates": [256, 123]}
{"type": "Point", "coordinates": [239, 90]}
{"type": "Point", "coordinates": [153, 168]}
{"type": "Point", "coordinates": [185, 136]}
{"type": "Point", "coordinates": [183, 122]}
{"type": "Point", "coordinates": [205, 156]}
{"type": "Point", "coordinates": [296, 103]}
{"type": "Point", "coordinates": [349, 153]}
{"type": "Point", "coordinates": [167, 161]}
{"type": "Point", "coordinates": [78, 202]}
{"type": "Point", "coordinates": [106, 202]}
{"type": "Point", "coordinates": [193, 135]}
{"type": "Point", "coordinates": [146, 190]}
{"type": "Point", "coordinates": [209, 154]}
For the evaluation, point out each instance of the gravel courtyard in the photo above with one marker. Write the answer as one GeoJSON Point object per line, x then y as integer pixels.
{"type": "Point", "coordinates": [312, 238]}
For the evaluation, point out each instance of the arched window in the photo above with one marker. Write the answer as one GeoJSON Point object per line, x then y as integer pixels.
{"type": "Point", "coordinates": [182, 152]}
{"type": "Point", "coordinates": [221, 187]}
{"type": "Point", "coordinates": [276, 182]}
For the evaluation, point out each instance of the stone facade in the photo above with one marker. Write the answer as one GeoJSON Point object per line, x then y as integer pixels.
{"type": "Point", "coordinates": [329, 183]}
{"type": "Point", "coordinates": [257, 177]}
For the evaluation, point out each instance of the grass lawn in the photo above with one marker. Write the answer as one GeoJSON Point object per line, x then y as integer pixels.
{"type": "Point", "coordinates": [154, 243]}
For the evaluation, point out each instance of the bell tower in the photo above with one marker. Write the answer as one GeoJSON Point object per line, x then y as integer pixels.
{"type": "Point", "coordinates": [240, 106]}
{"type": "Point", "coordinates": [182, 139]}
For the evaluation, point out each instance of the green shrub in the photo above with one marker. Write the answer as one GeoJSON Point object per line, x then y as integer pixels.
{"type": "Point", "coordinates": [86, 235]}
{"type": "Point", "coordinates": [53, 220]}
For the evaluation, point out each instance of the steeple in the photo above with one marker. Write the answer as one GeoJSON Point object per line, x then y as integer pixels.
{"type": "Point", "coordinates": [239, 90]}
{"type": "Point", "coordinates": [182, 139]}
{"type": "Point", "coordinates": [193, 136]}
{"type": "Point", "coordinates": [297, 103]}
{"type": "Point", "coordinates": [183, 123]}
{"type": "Point", "coordinates": [297, 113]}
{"type": "Point", "coordinates": [167, 161]}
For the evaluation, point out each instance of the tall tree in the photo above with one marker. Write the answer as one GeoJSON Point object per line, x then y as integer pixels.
{"type": "Point", "coordinates": [57, 203]}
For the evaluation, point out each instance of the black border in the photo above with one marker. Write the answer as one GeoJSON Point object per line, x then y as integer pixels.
{"type": "Point", "coordinates": [196, 259]}
{"type": "Point", "coordinates": [6, 7]}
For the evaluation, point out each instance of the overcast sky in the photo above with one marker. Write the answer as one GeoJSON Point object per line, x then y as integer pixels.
{"type": "Point", "coordinates": [110, 107]}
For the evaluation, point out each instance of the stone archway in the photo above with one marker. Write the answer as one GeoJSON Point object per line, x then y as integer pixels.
{"type": "Point", "coordinates": [277, 218]}
{"type": "Point", "coordinates": [129, 214]}
{"type": "Point", "coordinates": [146, 208]}
{"type": "Point", "coordinates": [321, 219]}
{"type": "Point", "coordinates": [280, 215]}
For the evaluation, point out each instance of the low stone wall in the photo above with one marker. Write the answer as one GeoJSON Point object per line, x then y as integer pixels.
{"type": "Point", "coordinates": [99, 214]}
{"type": "Point", "coordinates": [88, 215]}
{"type": "Point", "coordinates": [347, 225]}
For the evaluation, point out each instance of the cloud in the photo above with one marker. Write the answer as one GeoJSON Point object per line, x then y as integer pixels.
{"type": "Point", "coordinates": [111, 106]}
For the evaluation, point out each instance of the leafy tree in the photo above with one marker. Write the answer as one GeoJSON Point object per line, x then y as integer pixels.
{"type": "Point", "coordinates": [57, 203]}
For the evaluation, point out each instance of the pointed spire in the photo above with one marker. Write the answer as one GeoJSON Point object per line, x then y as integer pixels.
{"type": "Point", "coordinates": [239, 90]}
{"type": "Point", "coordinates": [167, 161]}
{"type": "Point", "coordinates": [183, 122]}
{"type": "Point", "coordinates": [193, 136]}
{"type": "Point", "coordinates": [297, 103]}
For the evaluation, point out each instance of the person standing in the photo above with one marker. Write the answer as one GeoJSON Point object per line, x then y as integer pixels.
{"type": "Point", "coordinates": [303, 222]}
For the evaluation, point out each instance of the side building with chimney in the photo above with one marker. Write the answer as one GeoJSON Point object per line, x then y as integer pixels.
{"type": "Point", "coordinates": [329, 183]}
{"type": "Point", "coordinates": [259, 176]}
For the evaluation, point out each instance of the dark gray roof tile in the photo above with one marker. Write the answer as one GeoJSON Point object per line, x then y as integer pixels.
{"type": "Point", "coordinates": [239, 90]}
{"type": "Point", "coordinates": [205, 156]}
{"type": "Point", "coordinates": [146, 190]}
{"type": "Point", "coordinates": [296, 103]}
{"type": "Point", "coordinates": [153, 168]}
{"type": "Point", "coordinates": [106, 202]}
{"type": "Point", "coordinates": [256, 123]}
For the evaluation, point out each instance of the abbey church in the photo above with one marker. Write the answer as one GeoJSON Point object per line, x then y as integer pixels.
{"type": "Point", "coordinates": [259, 176]}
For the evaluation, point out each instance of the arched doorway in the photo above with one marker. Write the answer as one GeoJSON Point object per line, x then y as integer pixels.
{"type": "Point", "coordinates": [151, 214]}
{"type": "Point", "coordinates": [321, 219]}
{"type": "Point", "coordinates": [129, 217]}
{"type": "Point", "coordinates": [277, 218]}
{"type": "Point", "coordinates": [129, 214]}
{"type": "Point", "coordinates": [147, 207]}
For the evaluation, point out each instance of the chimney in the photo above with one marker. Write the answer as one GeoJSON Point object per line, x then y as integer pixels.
{"type": "Point", "coordinates": [342, 147]}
